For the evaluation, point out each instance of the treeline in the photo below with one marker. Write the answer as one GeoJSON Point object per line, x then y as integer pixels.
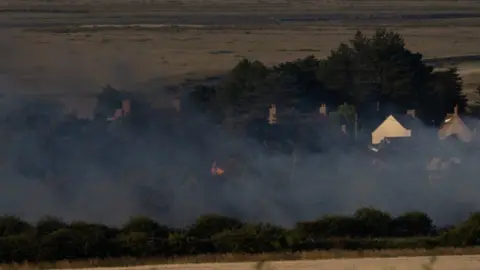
{"type": "Point", "coordinates": [361, 82]}
{"type": "Point", "coordinates": [362, 73]}
{"type": "Point", "coordinates": [52, 239]}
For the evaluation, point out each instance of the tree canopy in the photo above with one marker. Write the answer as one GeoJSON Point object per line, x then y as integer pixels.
{"type": "Point", "coordinates": [140, 237]}
{"type": "Point", "coordinates": [363, 72]}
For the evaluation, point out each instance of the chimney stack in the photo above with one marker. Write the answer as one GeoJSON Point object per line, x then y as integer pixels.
{"type": "Point", "coordinates": [323, 109]}
{"type": "Point", "coordinates": [272, 114]}
{"type": "Point", "coordinates": [411, 113]}
{"type": "Point", "coordinates": [126, 108]}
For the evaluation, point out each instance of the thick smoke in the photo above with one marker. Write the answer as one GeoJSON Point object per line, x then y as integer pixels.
{"type": "Point", "coordinates": [110, 173]}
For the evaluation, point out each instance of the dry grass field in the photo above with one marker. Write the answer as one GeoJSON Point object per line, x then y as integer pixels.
{"type": "Point", "coordinates": [459, 262]}
{"type": "Point", "coordinates": [401, 263]}
{"type": "Point", "coordinates": [70, 48]}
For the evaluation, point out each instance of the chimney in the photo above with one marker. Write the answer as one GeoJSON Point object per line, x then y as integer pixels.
{"type": "Point", "coordinates": [455, 110]}
{"type": "Point", "coordinates": [126, 107]}
{"type": "Point", "coordinates": [411, 113]}
{"type": "Point", "coordinates": [272, 114]}
{"type": "Point", "coordinates": [323, 109]}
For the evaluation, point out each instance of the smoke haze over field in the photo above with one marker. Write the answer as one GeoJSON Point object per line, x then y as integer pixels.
{"type": "Point", "coordinates": [110, 173]}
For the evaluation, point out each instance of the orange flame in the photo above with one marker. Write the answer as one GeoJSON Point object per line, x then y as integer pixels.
{"type": "Point", "coordinates": [216, 170]}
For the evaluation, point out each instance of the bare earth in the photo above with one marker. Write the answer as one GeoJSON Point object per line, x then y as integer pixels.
{"type": "Point", "coordinates": [400, 263]}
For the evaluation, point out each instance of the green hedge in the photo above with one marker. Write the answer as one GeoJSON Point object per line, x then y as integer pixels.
{"type": "Point", "coordinates": [51, 239]}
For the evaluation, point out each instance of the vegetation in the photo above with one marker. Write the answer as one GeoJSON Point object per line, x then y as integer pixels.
{"type": "Point", "coordinates": [361, 73]}
{"type": "Point", "coordinates": [51, 239]}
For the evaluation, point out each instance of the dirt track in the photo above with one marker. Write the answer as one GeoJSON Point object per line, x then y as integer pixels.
{"type": "Point", "coordinates": [400, 263]}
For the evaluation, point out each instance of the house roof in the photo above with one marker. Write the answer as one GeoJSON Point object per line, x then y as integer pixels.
{"type": "Point", "coordinates": [406, 120]}
{"type": "Point", "coordinates": [454, 125]}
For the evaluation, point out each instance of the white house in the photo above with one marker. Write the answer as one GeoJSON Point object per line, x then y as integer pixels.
{"type": "Point", "coordinates": [390, 128]}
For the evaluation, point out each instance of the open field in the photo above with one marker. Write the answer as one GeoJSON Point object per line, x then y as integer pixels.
{"type": "Point", "coordinates": [465, 262]}
{"type": "Point", "coordinates": [99, 57]}
{"type": "Point", "coordinates": [61, 48]}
